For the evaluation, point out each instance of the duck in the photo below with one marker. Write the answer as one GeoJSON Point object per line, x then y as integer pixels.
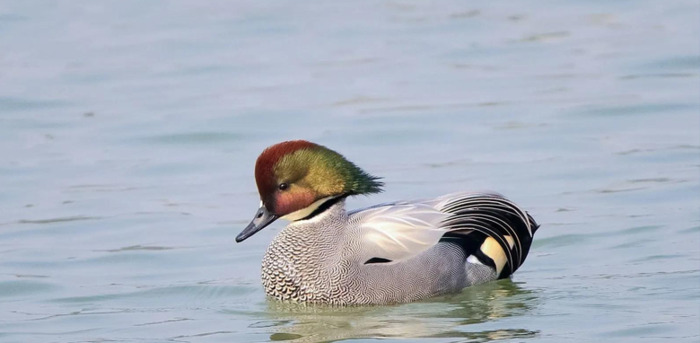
{"type": "Point", "coordinates": [390, 253]}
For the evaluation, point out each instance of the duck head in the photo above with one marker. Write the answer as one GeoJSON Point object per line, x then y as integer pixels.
{"type": "Point", "coordinates": [294, 178]}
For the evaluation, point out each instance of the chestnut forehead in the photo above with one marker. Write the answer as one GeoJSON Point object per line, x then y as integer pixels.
{"type": "Point", "coordinates": [272, 154]}
{"type": "Point", "coordinates": [265, 165]}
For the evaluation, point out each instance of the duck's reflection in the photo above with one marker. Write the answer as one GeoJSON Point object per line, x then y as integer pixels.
{"type": "Point", "coordinates": [455, 316]}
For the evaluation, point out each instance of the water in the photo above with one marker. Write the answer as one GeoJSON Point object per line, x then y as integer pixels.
{"type": "Point", "coordinates": [129, 129]}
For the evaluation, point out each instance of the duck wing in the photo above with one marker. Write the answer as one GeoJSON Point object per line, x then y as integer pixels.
{"type": "Point", "coordinates": [489, 227]}
{"type": "Point", "coordinates": [397, 231]}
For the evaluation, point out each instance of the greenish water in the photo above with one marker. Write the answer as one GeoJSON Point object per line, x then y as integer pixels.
{"type": "Point", "coordinates": [128, 133]}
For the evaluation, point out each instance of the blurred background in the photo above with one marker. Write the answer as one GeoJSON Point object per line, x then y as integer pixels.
{"type": "Point", "coordinates": [129, 131]}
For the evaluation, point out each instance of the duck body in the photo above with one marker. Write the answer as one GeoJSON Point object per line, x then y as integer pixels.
{"type": "Point", "coordinates": [389, 253]}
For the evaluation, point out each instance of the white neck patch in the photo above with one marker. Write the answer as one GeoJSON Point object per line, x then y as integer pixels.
{"type": "Point", "coordinates": [306, 211]}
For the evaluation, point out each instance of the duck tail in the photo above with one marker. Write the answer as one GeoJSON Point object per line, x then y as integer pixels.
{"type": "Point", "coordinates": [491, 228]}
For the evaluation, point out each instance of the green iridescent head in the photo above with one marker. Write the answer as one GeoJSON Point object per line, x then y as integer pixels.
{"type": "Point", "coordinates": [293, 176]}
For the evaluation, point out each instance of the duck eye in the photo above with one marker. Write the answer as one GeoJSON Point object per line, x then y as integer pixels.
{"type": "Point", "coordinates": [283, 186]}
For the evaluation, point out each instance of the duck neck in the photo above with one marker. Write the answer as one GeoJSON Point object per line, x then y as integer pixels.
{"type": "Point", "coordinates": [325, 222]}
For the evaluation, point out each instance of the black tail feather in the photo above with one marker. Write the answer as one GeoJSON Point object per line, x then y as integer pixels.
{"type": "Point", "coordinates": [476, 217]}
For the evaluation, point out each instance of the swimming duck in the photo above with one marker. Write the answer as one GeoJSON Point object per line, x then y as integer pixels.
{"type": "Point", "coordinates": [389, 253]}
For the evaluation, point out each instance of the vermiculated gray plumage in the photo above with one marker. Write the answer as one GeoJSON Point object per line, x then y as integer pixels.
{"type": "Point", "coordinates": [396, 252]}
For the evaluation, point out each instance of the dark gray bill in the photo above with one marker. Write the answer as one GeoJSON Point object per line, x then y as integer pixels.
{"type": "Point", "coordinates": [262, 219]}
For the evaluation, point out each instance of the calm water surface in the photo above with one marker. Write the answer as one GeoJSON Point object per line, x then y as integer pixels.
{"type": "Point", "coordinates": [129, 129]}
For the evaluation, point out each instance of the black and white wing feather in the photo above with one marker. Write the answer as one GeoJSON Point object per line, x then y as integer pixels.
{"type": "Point", "coordinates": [487, 226]}
{"type": "Point", "coordinates": [491, 228]}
